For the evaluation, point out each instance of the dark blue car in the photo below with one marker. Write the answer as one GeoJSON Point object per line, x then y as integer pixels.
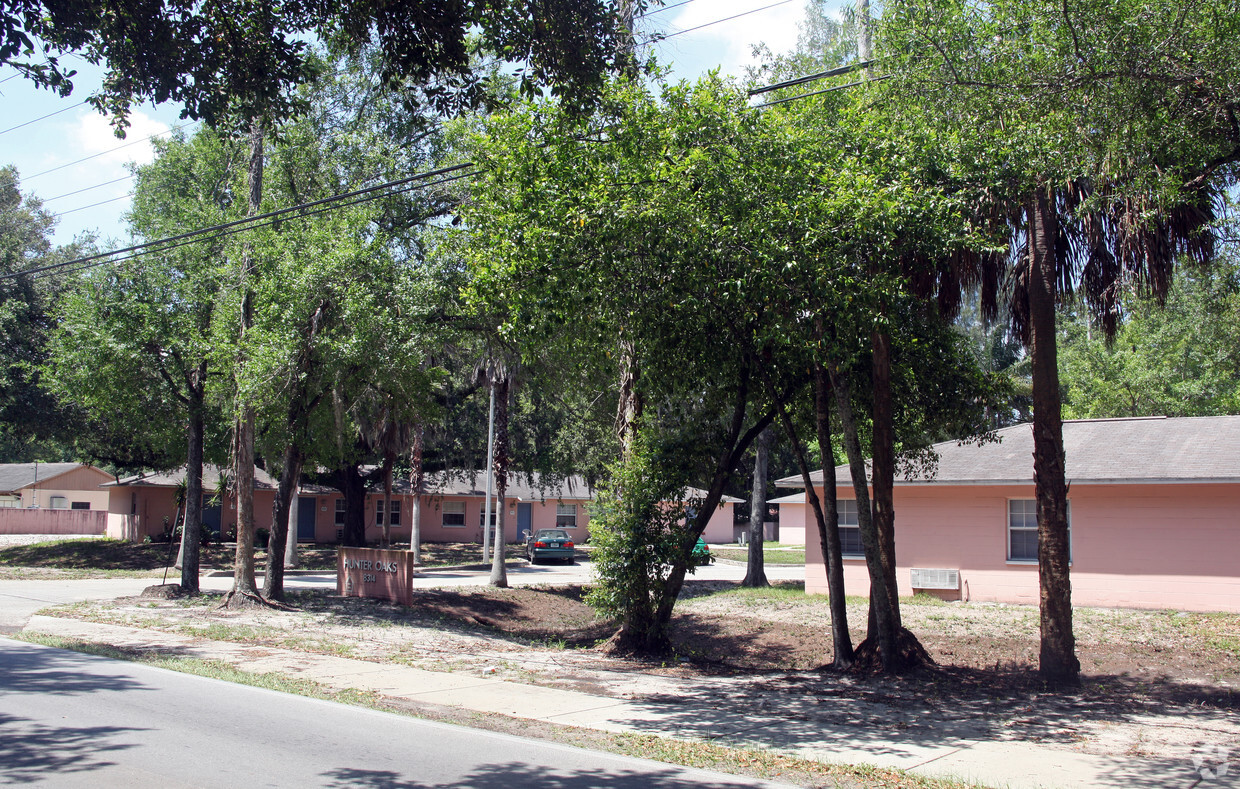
{"type": "Point", "coordinates": [549, 544]}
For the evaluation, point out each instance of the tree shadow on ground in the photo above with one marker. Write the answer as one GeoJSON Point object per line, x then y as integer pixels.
{"type": "Point", "coordinates": [32, 752]}
{"type": "Point", "coordinates": [48, 671]}
{"type": "Point", "coordinates": [934, 710]}
{"type": "Point", "coordinates": [510, 774]}
{"type": "Point", "coordinates": [519, 613]}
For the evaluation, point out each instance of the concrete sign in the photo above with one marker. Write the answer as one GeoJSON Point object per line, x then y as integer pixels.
{"type": "Point", "coordinates": [384, 575]}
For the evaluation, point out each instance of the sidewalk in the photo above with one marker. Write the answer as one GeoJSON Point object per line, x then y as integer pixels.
{"type": "Point", "coordinates": [1021, 765]}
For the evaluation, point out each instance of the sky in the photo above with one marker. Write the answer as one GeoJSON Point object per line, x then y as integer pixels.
{"type": "Point", "coordinates": [75, 164]}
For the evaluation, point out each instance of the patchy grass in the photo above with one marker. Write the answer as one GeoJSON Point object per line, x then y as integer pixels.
{"type": "Point", "coordinates": [756, 763]}
{"type": "Point", "coordinates": [104, 558]}
{"type": "Point", "coordinates": [771, 554]}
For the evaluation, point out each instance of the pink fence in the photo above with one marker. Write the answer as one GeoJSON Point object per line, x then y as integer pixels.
{"type": "Point", "coordinates": [43, 521]}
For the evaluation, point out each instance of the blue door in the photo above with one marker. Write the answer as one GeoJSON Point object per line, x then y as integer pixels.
{"type": "Point", "coordinates": [305, 518]}
{"type": "Point", "coordinates": [211, 521]}
{"type": "Point", "coordinates": [523, 521]}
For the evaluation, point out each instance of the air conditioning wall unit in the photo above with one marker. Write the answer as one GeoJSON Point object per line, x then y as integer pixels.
{"type": "Point", "coordinates": [936, 579]}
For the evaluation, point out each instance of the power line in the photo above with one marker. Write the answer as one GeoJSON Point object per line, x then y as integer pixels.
{"type": "Point", "coordinates": [831, 89]}
{"type": "Point", "coordinates": [157, 245]}
{"type": "Point", "coordinates": [110, 150]}
{"type": "Point", "coordinates": [41, 117]}
{"type": "Point", "coordinates": [88, 188]}
{"type": "Point", "coordinates": [718, 21]}
{"type": "Point", "coordinates": [228, 230]}
{"type": "Point", "coordinates": [834, 72]}
{"type": "Point", "coordinates": [92, 205]}
{"type": "Point", "coordinates": [661, 9]}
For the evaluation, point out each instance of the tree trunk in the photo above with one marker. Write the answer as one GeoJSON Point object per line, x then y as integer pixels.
{"type": "Point", "coordinates": [191, 532]}
{"type": "Point", "coordinates": [1057, 662]}
{"type": "Point", "coordinates": [629, 410]}
{"type": "Point", "coordinates": [416, 480]}
{"type": "Point", "coordinates": [499, 572]}
{"type": "Point", "coordinates": [829, 524]}
{"type": "Point", "coordinates": [755, 572]}
{"type": "Point", "coordinates": [353, 486]}
{"type": "Point", "coordinates": [884, 635]}
{"type": "Point", "coordinates": [243, 566]}
{"type": "Point", "coordinates": [884, 469]}
{"type": "Point", "coordinates": [273, 583]}
{"type": "Point", "coordinates": [294, 518]}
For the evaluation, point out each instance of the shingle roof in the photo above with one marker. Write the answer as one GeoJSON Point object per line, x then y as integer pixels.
{"type": "Point", "coordinates": [520, 486]}
{"type": "Point", "coordinates": [14, 476]}
{"type": "Point", "coordinates": [170, 479]}
{"type": "Point", "coordinates": [1097, 451]}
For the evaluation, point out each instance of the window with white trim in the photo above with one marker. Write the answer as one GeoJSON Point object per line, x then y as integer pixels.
{"type": "Point", "coordinates": [850, 528]}
{"type": "Point", "coordinates": [453, 514]}
{"type": "Point", "coordinates": [1023, 530]}
{"type": "Point", "coordinates": [482, 513]}
{"type": "Point", "coordinates": [394, 513]}
{"type": "Point", "coordinates": [339, 512]}
{"type": "Point", "coordinates": [60, 503]}
{"type": "Point", "coordinates": [379, 512]}
{"type": "Point", "coordinates": [10, 502]}
{"type": "Point", "coordinates": [566, 516]}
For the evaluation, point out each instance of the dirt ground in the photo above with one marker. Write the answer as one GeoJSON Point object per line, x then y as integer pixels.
{"type": "Point", "coordinates": [1156, 683]}
{"type": "Point", "coordinates": [72, 556]}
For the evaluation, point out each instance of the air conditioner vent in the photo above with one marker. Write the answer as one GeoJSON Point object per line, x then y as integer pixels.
{"type": "Point", "coordinates": [936, 579]}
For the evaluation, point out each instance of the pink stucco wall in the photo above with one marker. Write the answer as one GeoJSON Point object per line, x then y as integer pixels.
{"type": "Point", "coordinates": [719, 529]}
{"type": "Point", "coordinates": [43, 521]}
{"type": "Point", "coordinates": [1168, 546]}
{"type": "Point", "coordinates": [793, 526]}
{"type": "Point", "coordinates": [136, 511]}
{"type": "Point", "coordinates": [542, 516]}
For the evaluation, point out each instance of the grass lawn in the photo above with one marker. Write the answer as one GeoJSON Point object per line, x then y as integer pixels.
{"type": "Point", "coordinates": [772, 553]}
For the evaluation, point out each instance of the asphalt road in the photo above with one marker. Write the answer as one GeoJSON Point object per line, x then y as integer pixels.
{"type": "Point", "coordinates": [68, 720]}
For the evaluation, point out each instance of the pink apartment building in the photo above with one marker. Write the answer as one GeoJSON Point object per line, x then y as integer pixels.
{"type": "Point", "coordinates": [452, 509]}
{"type": "Point", "coordinates": [1154, 510]}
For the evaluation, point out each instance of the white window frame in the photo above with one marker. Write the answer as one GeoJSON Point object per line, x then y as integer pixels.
{"type": "Point", "coordinates": [453, 508]}
{"type": "Point", "coordinates": [846, 518]}
{"type": "Point", "coordinates": [58, 502]}
{"type": "Point", "coordinates": [340, 510]}
{"type": "Point", "coordinates": [394, 513]}
{"type": "Point", "coordinates": [482, 514]}
{"type": "Point", "coordinates": [379, 512]}
{"type": "Point", "coordinates": [10, 502]}
{"type": "Point", "coordinates": [1029, 515]}
{"type": "Point", "coordinates": [568, 512]}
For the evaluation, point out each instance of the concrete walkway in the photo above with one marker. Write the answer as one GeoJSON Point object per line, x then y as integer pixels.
{"type": "Point", "coordinates": [1019, 765]}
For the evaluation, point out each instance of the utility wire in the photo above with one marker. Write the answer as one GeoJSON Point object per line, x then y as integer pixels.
{"type": "Point", "coordinates": [820, 92]}
{"type": "Point", "coordinates": [110, 150]}
{"type": "Point", "coordinates": [92, 205]}
{"type": "Point", "coordinates": [41, 117]}
{"type": "Point", "coordinates": [717, 21]}
{"type": "Point", "coordinates": [88, 188]}
{"type": "Point", "coordinates": [229, 230]}
{"type": "Point", "coordinates": [833, 72]}
{"type": "Point", "coordinates": [661, 9]}
{"type": "Point", "coordinates": [252, 220]}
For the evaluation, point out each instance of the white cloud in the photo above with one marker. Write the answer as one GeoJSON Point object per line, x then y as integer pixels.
{"type": "Point", "coordinates": [727, 45]}
{"type": "Point", "coordinates": [94, 135]}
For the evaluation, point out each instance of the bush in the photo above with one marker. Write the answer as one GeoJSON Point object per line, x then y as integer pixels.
{"type": "Point", "coordinates": [638, 530]}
